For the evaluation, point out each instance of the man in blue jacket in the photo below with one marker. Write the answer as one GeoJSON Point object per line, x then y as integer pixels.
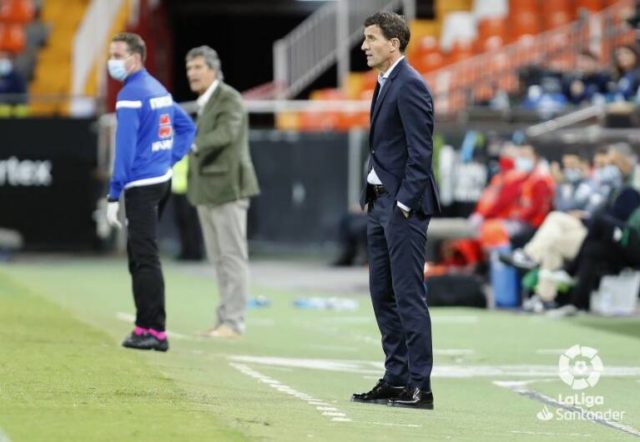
{"type": "Point", "coordinates": [401, 194]}
{"type": "Point", "coordinates": [153, 133]}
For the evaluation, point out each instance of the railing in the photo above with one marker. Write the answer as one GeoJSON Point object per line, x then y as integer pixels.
{"type": "Point", "coordinates": [323, 39]}
{"type": "Point", "coordinates": [455, 86]}
{"type": "Point", "coordinates": [90, 40]}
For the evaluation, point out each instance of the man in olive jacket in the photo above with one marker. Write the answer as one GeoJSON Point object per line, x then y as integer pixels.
{"type": "Point", "coordinates": [221, 180]}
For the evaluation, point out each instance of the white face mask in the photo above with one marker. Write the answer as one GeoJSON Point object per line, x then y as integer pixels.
{"type": "Point", "coordinates": [117, 70]}
{"type": "Point", "coordinates": [524, 164]}
{"type": "Point", "coordinates": [6, 66]}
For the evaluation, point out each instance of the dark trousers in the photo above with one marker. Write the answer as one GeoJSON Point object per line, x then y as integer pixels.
{"type": "Point", "coordinates": [396, 247]}
{"type": "Point", "coordinates": [599, 255]}
{"type": "Point", "coordinates": [144, 206]}
{"type": "Point", "coordinates": [186, 217]}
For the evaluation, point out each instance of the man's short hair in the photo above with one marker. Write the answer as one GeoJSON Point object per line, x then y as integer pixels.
{"type": "Point", "coordinates": [210, 57]}
{"type": "Point", "coordinates": [624, 149]}
{"type": "Point", "coordinates": [134, 42]}
{"type": "Point", "coordinates": [392, 25]}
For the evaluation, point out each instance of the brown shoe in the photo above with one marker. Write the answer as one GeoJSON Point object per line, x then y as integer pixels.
{"type": "Point", "coordinates": [207, 333]}
{"type": "Point", "coordinates": [225, 332]}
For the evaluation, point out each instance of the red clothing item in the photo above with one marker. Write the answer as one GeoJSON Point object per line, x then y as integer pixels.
{"type": "Point", "coordinates": [535, 200]}
{"type": "Point", "coordinates": [499, 197]}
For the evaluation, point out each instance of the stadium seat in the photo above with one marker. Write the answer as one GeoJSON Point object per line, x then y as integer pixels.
{"type": "Point", "coordinates": [483, 9]}
{"type": "Point", "coordinates": [518, 6]}
{"type": "Point", "coordinates": [457, 27]}
{"type": "Point", "coordinates": [430, 62]}
{"type": "Point", "coordinates": [17, 11]}
{"type": "Point", "coordinates": [557, 18]}
{"type": "Point", "coordinates": [488, 44]}
{"type": "Point", "coordinates": [460, 50]}
{"type": "Point", "coordinates": [590, 5]}
{"type": "Point", "coordinates": [492, 26]}
{"type": "Point", "coordinates": [426, 45]}
{"type": "Point", "coordinates": [12, 38]}
{"type": "Point", "coordinates": [524, 24]}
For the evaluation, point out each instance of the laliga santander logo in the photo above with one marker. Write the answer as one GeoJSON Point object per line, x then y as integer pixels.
{"type": "Point", "coordinates": [580, 367]}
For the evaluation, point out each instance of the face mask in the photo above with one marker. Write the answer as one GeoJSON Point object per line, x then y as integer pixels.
{"type": "Point", "coordinates": [573, 175]}
{"type": "Point", "coordinates": [610, 175]}
{"type": "Point", "coordinates": [117, 70]}
{"type": "Point", "coordinates": [524, 164]}
{"type": "Point", "coordinates": [5, 66]}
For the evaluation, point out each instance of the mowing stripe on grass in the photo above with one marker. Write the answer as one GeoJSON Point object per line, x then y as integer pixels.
{"type": "Point", "coordinates": [325, 408]}
{"type": "Point", "coordinates": [440, 371]}
{"type": "Point", "coordinates": [517, 387]}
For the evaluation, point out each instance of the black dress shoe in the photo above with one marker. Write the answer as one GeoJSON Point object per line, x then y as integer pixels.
{"type": "Point", "coordinates": [145, 341]}
{"type": "Point", "coordinates": [380, 394]}
{"type": "Point", "coordinates": [414, 398]}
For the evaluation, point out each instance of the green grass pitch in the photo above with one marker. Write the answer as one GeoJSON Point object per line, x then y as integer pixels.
{"type": "Point", "coordinates": [64, 376]}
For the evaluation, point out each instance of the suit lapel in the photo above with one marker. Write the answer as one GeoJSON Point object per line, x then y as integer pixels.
{"type": "Point", "coordinates": [381, 94]}
{"type": "Point", "coordinates": [211, 103]}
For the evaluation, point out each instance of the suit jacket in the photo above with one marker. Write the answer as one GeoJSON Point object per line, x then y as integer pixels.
{"type": "Point", "coordinates": [220, 170]}
{"type": "Point", "coordinates": [401, 140]}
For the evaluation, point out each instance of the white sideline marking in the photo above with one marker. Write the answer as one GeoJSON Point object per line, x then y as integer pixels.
{"type": "Point", "coordinates": [440, 371]}
{"type": "Point", "coordinates": [551, 351]}
{"type": "Point", "coordinates": [3, 436]}
{"type": "Point", "coordinates": [128, 317]}
{"type": "Point", "coordinates": [518, 387]}
{"type": "Point", "coordinates": [549, 433]}
{"type": "Point", "coordinates": [391, 424]}
{"type": "Point", "coordinates": [335, 416]}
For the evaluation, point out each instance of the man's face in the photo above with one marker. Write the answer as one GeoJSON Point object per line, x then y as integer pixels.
{"type": "Point", "coordinates": [118, 50]}
{"type": "Point", "coordinates": [600, 160]}
{"type": "Point", "coordinates": [377, 48]}
{"type": "Point", "coordinates": [200, 75]}
{"type": "Point", "coordinates": [620, 161]}
{"type": "Point", "coordinates": [570, 161]}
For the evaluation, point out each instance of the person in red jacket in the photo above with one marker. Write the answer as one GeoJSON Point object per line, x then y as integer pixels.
{"type": "Point", "coordinates": [524, 205]}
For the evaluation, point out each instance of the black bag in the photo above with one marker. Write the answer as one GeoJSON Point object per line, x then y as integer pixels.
{"type": "Point", "coordinates": [456, 290]}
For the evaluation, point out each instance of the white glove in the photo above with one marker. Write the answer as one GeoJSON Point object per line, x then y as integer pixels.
{"type": "Point", "coordinates": [112, 214]}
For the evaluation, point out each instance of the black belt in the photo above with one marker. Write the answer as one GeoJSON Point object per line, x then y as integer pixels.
{"type": "Point", "coordinates": [377, 189]}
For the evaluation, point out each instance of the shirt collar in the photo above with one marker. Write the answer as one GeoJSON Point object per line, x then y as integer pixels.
{"type": "Point", "coordinates": [388, 71]}
{"type": "Point", "coordinates": [204, 98]}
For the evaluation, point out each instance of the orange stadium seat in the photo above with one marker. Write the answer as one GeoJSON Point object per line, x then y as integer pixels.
{"type": "Point", "coordinates": [17, 11]}
{"type": "Point", "coordinates": [520, 6]}
{"type": "Point", "coordinates": [460, 50]}
{"type": "Point", "coordinates": [522, 24]}
{"type": "Point", "coordinates": [488, 44]}
{"type": "Point", "coordinates": [591, 5]}
{"type": "Point", "coordinates": [430, 62]}
{"type": "Point", "coordinates": [12, 38]}
{"type": "Point", "coordinates": [492, 26]}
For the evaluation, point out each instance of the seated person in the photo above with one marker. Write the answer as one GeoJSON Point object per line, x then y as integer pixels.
{"type": "Point", "coordinates": [586, 83]}
{"type": "Point", "coordinates": [526, 211]}
{"type": "Point", "coordinates": [562, 233]}
{"type": "Point", "coordinates": [626, 79]}
{"type": "Point", "coordinates": [13, 87]}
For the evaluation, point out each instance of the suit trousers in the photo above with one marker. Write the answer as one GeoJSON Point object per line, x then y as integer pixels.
{"type": "Point", "coordinates": [144, 206]}
{"type": "Point", "coordinates": [224, 228]}
{"type": "Point", "coordinates": [396, 248]}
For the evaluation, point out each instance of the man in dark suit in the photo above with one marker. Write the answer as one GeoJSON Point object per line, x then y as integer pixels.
{"type": "Point", "coordinates": [401, 194]}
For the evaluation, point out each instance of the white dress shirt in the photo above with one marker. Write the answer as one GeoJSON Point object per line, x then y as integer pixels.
{"type": "Point", "coordinates": [373, 178]}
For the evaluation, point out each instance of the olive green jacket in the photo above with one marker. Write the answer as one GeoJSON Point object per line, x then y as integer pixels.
{"type": "Point", "coordinates": [220, 168]}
